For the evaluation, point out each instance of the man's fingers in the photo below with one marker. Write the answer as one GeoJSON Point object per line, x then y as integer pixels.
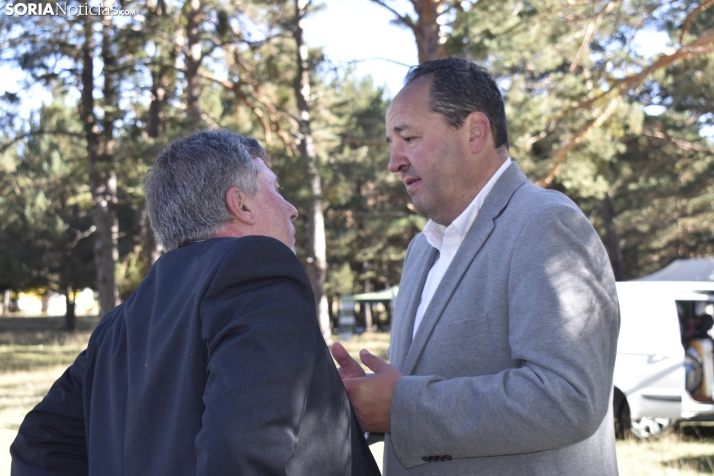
{"type": "Point", "coordinates": [349, 367]}
{"type": "Point", "coordinates": [339, 352]}
{"type": "Point", "coordinates": [374, 363]}
{"type": "Point", "coordinates": [350, 384]}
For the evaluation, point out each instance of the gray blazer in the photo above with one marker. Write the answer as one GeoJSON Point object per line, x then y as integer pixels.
{"type": "Point", "coordinates": [510, 371]}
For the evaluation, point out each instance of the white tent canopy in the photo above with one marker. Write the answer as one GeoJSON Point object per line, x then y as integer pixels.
{"type": "Point", "coordinates": [696, 269]}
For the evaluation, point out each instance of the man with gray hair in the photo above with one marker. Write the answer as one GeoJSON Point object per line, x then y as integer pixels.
{"type": "Point", "coordinates": [216, 364]}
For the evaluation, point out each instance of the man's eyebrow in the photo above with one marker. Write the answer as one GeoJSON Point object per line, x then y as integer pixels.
{"type": "Point", "coordinates": [397, 128]}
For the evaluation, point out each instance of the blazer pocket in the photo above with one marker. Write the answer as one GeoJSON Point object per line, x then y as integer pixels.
{"type": "Point", "coordinates": [459, 330]}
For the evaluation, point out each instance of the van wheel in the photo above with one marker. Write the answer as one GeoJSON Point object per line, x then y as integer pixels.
{"type": "Point", "coordinates": [650, 427]}
{"type": "Point", "coordinates": [623, 422]}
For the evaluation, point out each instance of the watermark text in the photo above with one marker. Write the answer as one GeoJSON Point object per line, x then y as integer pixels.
{"type": "Point", "coordinates": [65, 9]}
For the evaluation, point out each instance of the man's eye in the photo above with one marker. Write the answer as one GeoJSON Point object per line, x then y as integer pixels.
{"type": "Point", "coordinates": [408, 139]}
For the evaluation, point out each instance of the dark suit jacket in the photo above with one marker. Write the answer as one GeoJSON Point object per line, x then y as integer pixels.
{"type": "Point", "coordinates": [214, 366]}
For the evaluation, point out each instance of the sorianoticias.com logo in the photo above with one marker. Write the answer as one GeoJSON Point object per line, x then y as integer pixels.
{"type": "Point", "coordinates": [64, 9]}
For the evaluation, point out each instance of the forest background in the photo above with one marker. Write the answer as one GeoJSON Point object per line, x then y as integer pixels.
{"type": "Point", "coordinates": [628, 136]}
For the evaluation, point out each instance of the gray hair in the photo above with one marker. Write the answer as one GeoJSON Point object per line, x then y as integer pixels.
{"type": "Point", "coordinates": [458, 88]}
{"type": "Point", "coordinates": [186, 188]}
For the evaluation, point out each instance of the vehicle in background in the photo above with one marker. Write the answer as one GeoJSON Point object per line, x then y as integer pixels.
{"type": "Point", "coordinates": [664, 371]}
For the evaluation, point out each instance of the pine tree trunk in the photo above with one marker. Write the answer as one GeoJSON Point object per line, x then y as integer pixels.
{"type": "Point", "coordinates": [70, 318]}
{"type": "Point", "coordinates": [149, 247]}
{"type": "Point", "coordinates": [158, 93]}
{"type": "Point", "coordinates": [45, 302]}
{"type": "Point", "coordinates": [193, 59]}
{"type": "Point", "coordinates": [160, 74]}
{"type": "Point", "coordinates": [612, 239]}
{"type": "Point", "coordinates": [6, 303]}
{"type": "Point", "coordinates": [426, 30]}
{"type": "Point", "coordinates": [102, 178]}
{"type": "Point", "coordinates": [317, 248]}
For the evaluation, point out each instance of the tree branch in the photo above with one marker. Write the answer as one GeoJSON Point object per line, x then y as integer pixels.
{"type": "Point", "coordinates": [681, 144]}
{"type": "Point", "coordinates": [403, 19]}
{"type": "Point", "coordinates": [360, 142]}
{"type": "Point", "coordinates": [701, 45]}
{"type": "Point", "coordinates": [253, 101]}
{"type": "Point", "coordinates": [560, 154]}
{"type": "Point", "coordinates": [25, 135]}
{"type": "Point", "coordinates": [78, 235]}
{"type": "Point", "coordinates": [398, 63]}
{"type": "Point", "coordinates": [590, 33]}
{"type": "Point", "coordinates": [691, 16]}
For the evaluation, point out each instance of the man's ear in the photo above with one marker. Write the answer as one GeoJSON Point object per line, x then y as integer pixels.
{"type": "Point", "coordinates": [241, 206]}
{"type": "Point", "coordinates": [479, 131]}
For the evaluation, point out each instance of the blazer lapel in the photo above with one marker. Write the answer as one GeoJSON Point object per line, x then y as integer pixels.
{"type": "Point", "coordinates": [475, 238]}
{"type": "Point", "coordinates": [412, 286]}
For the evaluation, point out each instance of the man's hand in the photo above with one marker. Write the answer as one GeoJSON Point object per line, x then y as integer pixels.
{"type": "Point", "coordinates": [348, 367]}
{"type": "Point", "coordinates": [371, 396]}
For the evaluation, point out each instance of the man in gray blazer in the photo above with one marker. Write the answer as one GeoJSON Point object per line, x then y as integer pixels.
{"type": "Point", "coordinates": [505, 328]}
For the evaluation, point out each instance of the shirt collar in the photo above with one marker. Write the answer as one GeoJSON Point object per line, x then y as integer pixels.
{"type": "Point", "coordinates": [435, 232]}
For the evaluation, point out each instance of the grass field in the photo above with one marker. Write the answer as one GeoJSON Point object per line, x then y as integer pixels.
{"type": "Point", "coordinates": [33, 355]}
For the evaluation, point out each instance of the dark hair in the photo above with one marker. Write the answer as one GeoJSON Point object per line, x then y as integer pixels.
{"type": "Point", "coordinates": [460, 87]}
{"type": "Point", "coordinates": [186, 188]}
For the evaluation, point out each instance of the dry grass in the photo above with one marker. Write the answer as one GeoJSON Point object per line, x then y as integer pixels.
{"type": "Point", "coordinates": [30, 361]}
{"type": "Point", "coordinates": [21, 391]}
{"type": "Point", "coordinates": [375, 342]}
{"type": "Point", "coordinates": [33, 354]}
{"type": "Point", "coordinates": [684, 451]}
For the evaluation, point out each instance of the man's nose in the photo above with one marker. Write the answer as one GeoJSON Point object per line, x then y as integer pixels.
{"type": "Point", "coordinates": [397, 160]}
{"type": "Point", "coordinates": [293, 211]}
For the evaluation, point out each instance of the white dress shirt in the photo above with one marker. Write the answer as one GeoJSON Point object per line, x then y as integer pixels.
{"type": "Point", "coordinates": [448, 239]}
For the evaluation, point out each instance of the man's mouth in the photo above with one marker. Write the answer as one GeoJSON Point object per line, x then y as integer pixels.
{"type": "Point", "coordinates": [411, 181]}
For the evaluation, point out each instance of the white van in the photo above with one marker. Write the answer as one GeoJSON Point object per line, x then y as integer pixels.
{"type": "Point", "coordinates": [664, 371]}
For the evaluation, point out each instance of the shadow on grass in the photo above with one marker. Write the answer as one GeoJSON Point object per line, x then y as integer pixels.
{"type": "Point", "coordinates": [32, 343]}
{"type": "Point", "coordinates": [44, 324]}
{"type": "Point", "coordinates": [703, 464]}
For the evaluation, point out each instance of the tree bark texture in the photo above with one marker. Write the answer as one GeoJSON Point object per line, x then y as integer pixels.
{"type": "Point", "coordinates": [162, 64]}
{"type": "Point", "coordinates": [158, 93]}
{"type": "Point", "coordinates": [193, 59]}
{"type": "Point", "coordinates": [70, 317]}
{"type": "Point", "coordinates": [426, 30]}
{"type": "Point", "coordinates": [45, 302]}
{"type": "Point", "coordinates": [6, 303]}
{"type": "Point", "coordinates": [102, 177]}
{"type": "Point", "coordinates": [317, 248]}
